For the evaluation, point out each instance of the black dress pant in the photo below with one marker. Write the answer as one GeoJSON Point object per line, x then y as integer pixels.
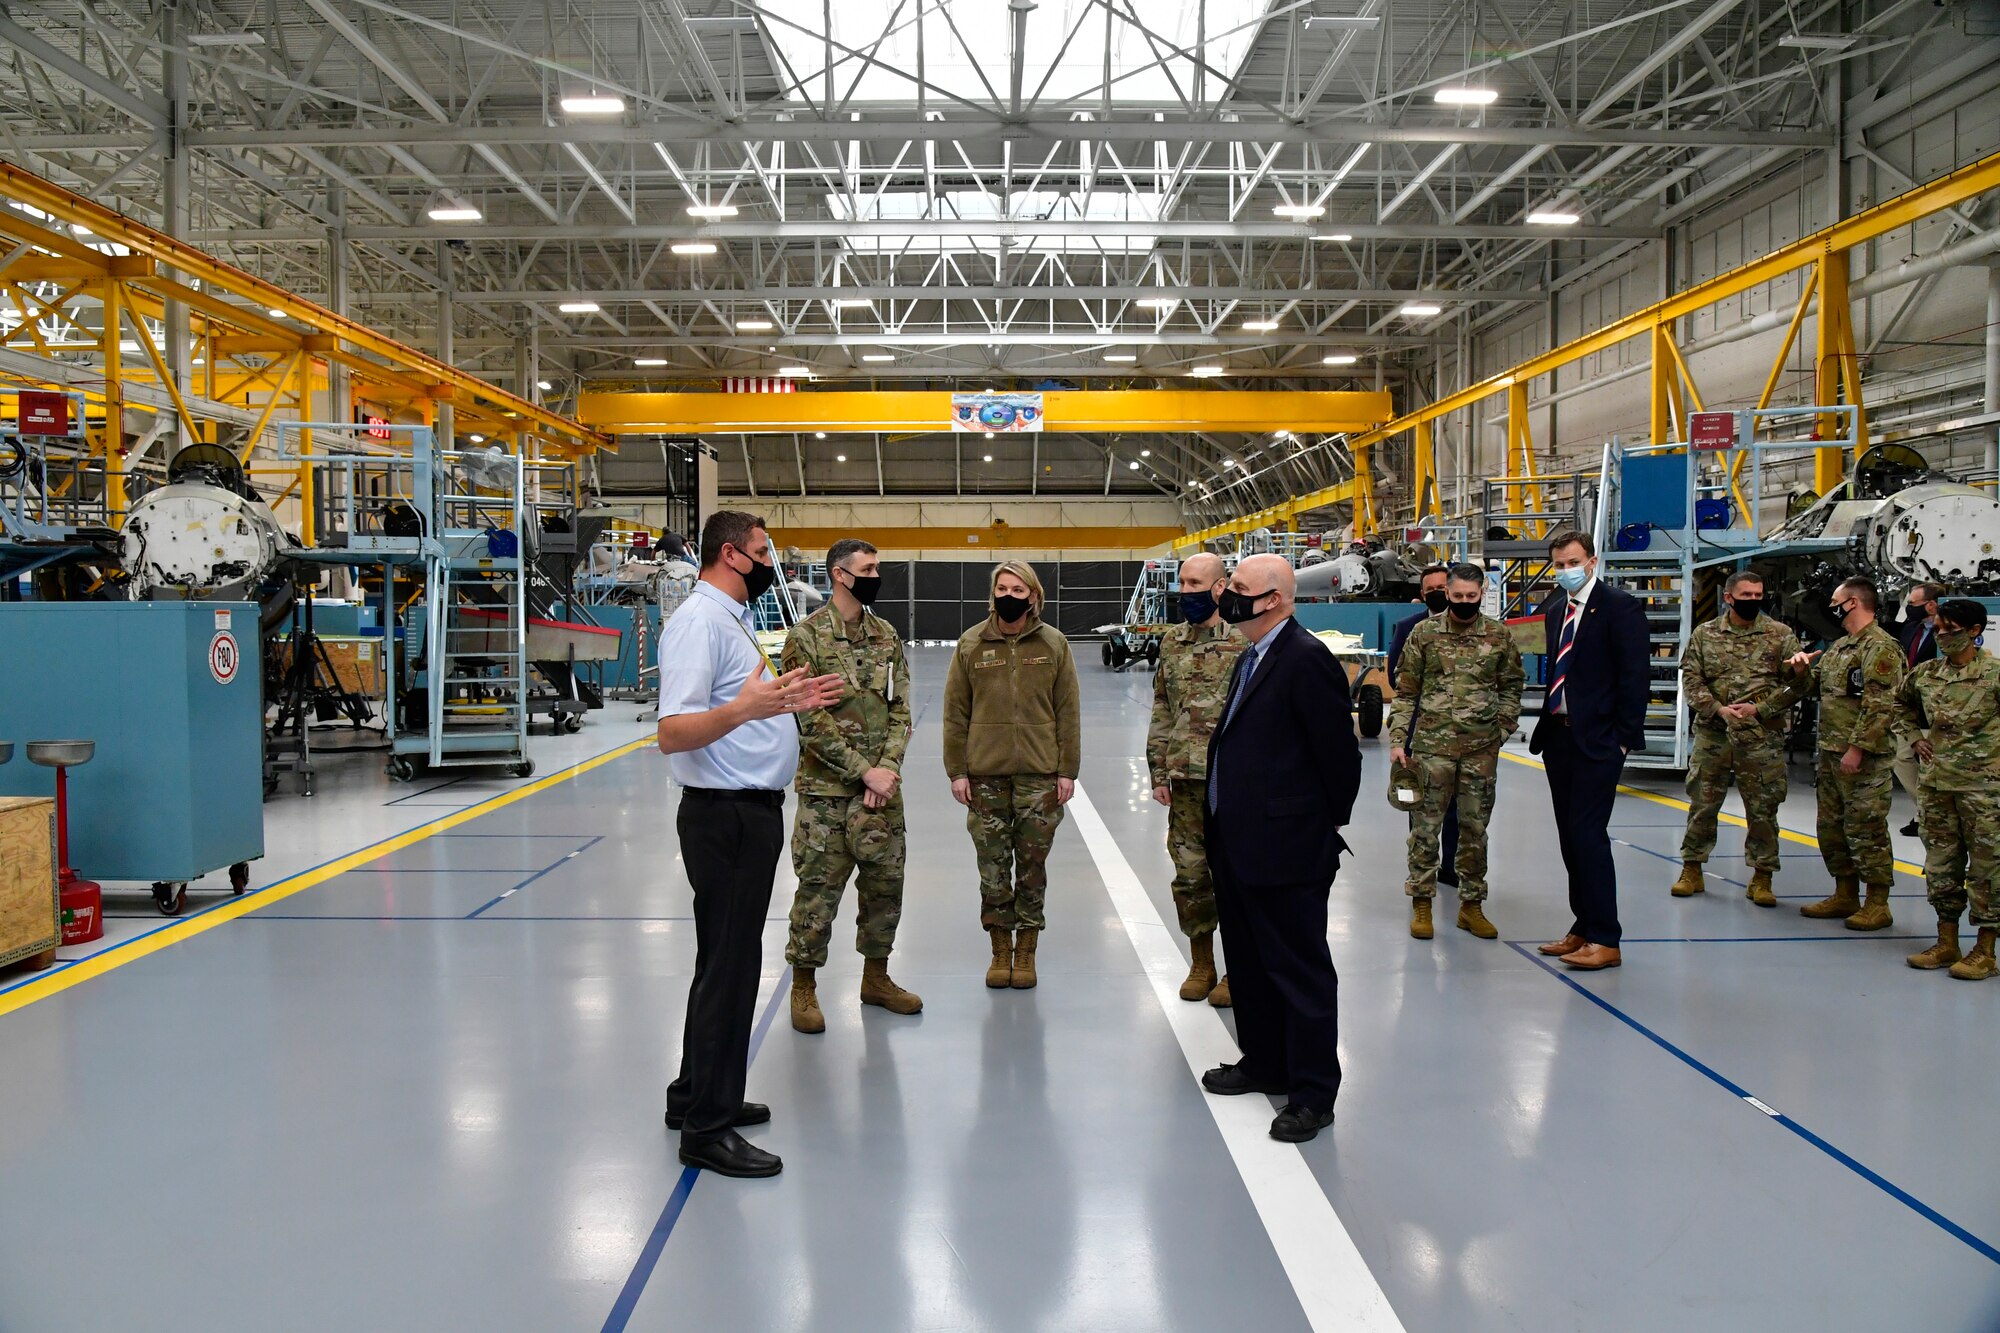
{"type": "Point", "coordinates": [1283, 988]}
{"type": "Point", "coordinates": [1583, 791]}
{"type": "Point", "coordinates": [731, 850]}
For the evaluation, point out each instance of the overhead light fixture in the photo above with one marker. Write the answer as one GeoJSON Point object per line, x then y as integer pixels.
{"type": "Point", "coordinates": [819, 435]}
{"type": "Point", "coordinates": [794, 372]}
{"type": "Point", "coordinates": [1206, 372]}
{"type": "Point", "coordinates": [1814, 42]}
{"type": "Point", "coordinates": [544, 385]}
{"type": "Point", "coordinates": [274, 312]}
{"type": "Point", "coordinates": [1339, 359]}
{"type": "Point", "coordinates": [1120, 356]}
{"type": "Point", "coordinates": [1158, 302]}
{"type": "Point", "coordinates": [477, 439]}
{"type": "Point", "coordinates": [852, 303]}
{"type": "Point", "coordinates": [1229, 462]}
{"type": "Point", "coordinates": [1336, 237]}
{"type": "Point", "coordinates": [840, 458]}
{"type": "Point", "coordinates": [989, 434]}
{"type": "Point", "coordinates": [1134, 466]}
{"type": "Point", "coordinates": [649, 361]}
{"type": "Point", "coordinates": [694, 248]}
{"type": "Point", "coordinates": [578, 307]}
{"type": "Point", "coordinates": [1145, 453]}
{"type": "Point", "coordinates": [1547, 217]}
{"type": "Point", "coordinates": [1260, 325]}
{"type": "Point", "coordinates": [1303, 212]}
{"type": "Point", "coordinates": [987, 458]}
{"type": "Point", "coordinates": [1466, 96]}
{"type": "Point", "coordinates": [1420, 309]}
{"type": "Point", "coordinates": [454, 213]}
{"type": "Point", "coordinates": [212, 39]}
{"type": "Point", "coordinates": [711, 210]}
{"type": "Point", "coordinates": [877, 357]}
{"type": "Point", "coordinates": [1341, 20]}
{"type": "Point", "coordinates": [593, 104]}
{"type": "Point", "coordinates": [754, 326]}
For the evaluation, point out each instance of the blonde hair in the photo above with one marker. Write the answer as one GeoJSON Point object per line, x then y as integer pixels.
{"type": "Point", "coordinates": [1023, 571]}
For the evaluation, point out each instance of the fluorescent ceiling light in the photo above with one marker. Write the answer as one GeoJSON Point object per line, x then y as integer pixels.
{"type": "Point", "coordinates": [1229, 462]}
{"type": "Point", "coordinates": [1420, 309]}
{"type": "Point", "coordinates": [544, 385]}
{"type": "Point", "coordinates": [1134, 466]}
{"type": "Point", "coordinates": [478, 439]}
{"type": "Point", "coordinates": [754, 326]}
{"type": "Point", "coordinates": [594, 104]}
{"type": "Point", "coordinates": [989, 435]}
{"type": "Point", "coordinates": [1814, 42]}
{"type": "Point", "coordinates": [852, 303]}
{"type": "Point", "coordinates": [877, 357]}
{"type": "Point", "coordinates": [1544, 217]}
{"type": "Point", "coordinates": [1206, 372]}
{"type": "Point", "coordinates": [1260, 325]}
{"type": "Point", "coordinates": [1145, 453]}
{"type": "Point", "coordinates": [819, 435]}
{"type": "Point", "coordinates": [1157, 302]}
{"type": "Point", "coordinates": [649, 361]}
{"type": "Point", "coordinates": [840, 458]}
{"type": "Point", "coordinates": [987, 458]}
{"type": "Point", "coordinates": [1301, 211]}
{"type": "Point", "coordinates": [1341, 20]}
{"type": "Point", "coordinates": [1120, 356]}
{"type": "Point", "coordinates": [711, 210]}
{"type": "Point", "coordinates": [1466, 96]}
{"type": "Point", "coordinates": [1337, 236]}
{"type": "Point", "coordinates": [275, 313]}
{"type": "Point", "coordinates": [226, 39]}
{"type": "Point", "coordinates": [794, 372]}
{"type": "Point", "coordinates": [1340, 359]}
{"type": "Point", "coordinates": [453, 213]}
{"type": "Point", "coordinates": [578, 307]}
{"type": "Point", "coordinates": [694, 248]}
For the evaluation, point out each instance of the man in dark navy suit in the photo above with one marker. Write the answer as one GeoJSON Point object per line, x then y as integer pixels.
{"type": "Point", "coordinates": [1283, 770]}
{"type": "Point", "coordinates": [1431, 592]}
{"type": "Point", "coordinates": [1599, 652]}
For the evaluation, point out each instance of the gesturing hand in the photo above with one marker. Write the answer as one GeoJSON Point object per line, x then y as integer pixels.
{"type": "Point", "coordinates": [1800, 661]}
{"type": "Point", "coordinates": [765, 696]}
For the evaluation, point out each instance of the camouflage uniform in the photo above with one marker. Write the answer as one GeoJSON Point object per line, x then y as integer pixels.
{"type": "Point", "coordinates": [835, 834]}
{"type": "Point", "coordinates": [1189, 690]}
{"type": "Point", "coordinates": [1857, 679]}
{"type": "Point", "coordinates": [1462, 686]}
{"type": "Point", "coordinates": [1727, 663]}
{"type": "Point", "coordinates": [1958, 792]}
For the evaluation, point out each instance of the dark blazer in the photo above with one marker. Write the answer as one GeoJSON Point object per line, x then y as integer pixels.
{"type": "Point", "coordinates": [1285, 767]}
{"type": "Point", "coordinates": [1609, 672]}
{"type": "Point", "coordinates": [1906, 634]}
{"type": "Point", "coordinates": [1402, 636]}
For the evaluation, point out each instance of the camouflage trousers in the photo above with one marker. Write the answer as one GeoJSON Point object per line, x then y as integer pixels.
{"type": "Point", "coordinates": [832, 837]}
{"type": "Point", "coordinates": [1854, 819]}
{"type": "Point", "coordinates": [1962, 852]}
{"type": "Point", "coordinates": [1013, 821]}
{"type": "Point", "coordinates": [1194, 887]}
{"type": "Point", "coordinates": [1756, 761]}
{"type": "Point", "coordinates": [1469, 780]}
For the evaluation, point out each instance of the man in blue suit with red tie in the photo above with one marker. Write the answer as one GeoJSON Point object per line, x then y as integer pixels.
{"type": "Point", "coordinates": [1599, 671]}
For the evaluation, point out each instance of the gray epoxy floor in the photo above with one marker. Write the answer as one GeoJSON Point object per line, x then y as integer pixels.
{"type": "Point", "coordinates": [425, 1094]}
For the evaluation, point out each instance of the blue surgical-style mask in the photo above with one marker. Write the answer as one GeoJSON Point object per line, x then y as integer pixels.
{"type": "Point", "coordinates": [1573, 579]}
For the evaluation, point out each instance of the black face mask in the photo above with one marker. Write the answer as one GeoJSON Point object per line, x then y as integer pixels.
{"type": "Point", "coordinates": [758, 579]}
{"type": "Point", "coordinates": [1436, 600]}
{"type": "Point", "coordinates": [1465, 612]}
{"type": "Point", "coordinates": [1238, 607]}
{"type": "Point", "coordinates": [1748, 608]}
{"type": "Point", "coordinates": [1011, 609]}
{"type": "Point", "coordinates": [1197, 608]}
{"type": "Point", "coordinates": [865, 587]}
{"type": "Point", "coordinates": [1840, 611]}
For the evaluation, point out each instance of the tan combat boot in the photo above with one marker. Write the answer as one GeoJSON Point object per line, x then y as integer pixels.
{"type": "Point", "coordinates": [806, 1016]}
{"type": "Point", "coordinates": [878, 989]}
{"type": "Point", "coordinates": [1201, 972]}
{"type": "Point", "coordinates": [1024, 959]}
{"type": "Point", "coordinates": [1000, 975]}
{"type": "Point", "coordinates": [1690, 883]}
{"type": "Point", "coordinates": [1942, 954]}
{"type": "Point", "coordinates": [1978, 965]}
{"type": "Point", "coordinates": [1420, 918]}
{"type": "Point", "coordinates": [1219, 997]}
{"type": "Point", "coordinates": [1472, 917]}
{"type": "Point", "coordinates": [1874, 916]}
{"type": "Point", "coordinates": [1759, 891]}
{"type": "Point", "coordinates": [1845, 901]}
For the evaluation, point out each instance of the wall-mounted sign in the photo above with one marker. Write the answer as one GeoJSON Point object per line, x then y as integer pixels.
{"type": "Point", "coordinates": [999, 413]}
{"type": "Point", "coordinates": [45, 413]}
{"type": "Point", "coordinates": [1712, 430]}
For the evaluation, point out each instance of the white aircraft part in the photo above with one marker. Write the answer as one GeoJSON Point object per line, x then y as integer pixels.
{"type": "Point", "coordinates": [193, 540]}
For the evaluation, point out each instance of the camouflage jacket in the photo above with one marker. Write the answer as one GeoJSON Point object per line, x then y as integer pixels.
{"type": "Point", "coordinates": [870, 727]}
{"type": "Point", "coordinates": [1961, 706]}
{"type": "Point", "coordinates": [1857, 679]}
{"type": "Point", "coordinates": [1189, 691]}
{"type": "Point", "coordinates": [1462, 684]}
{"type": "Point", "coordinates": [1727, 663]}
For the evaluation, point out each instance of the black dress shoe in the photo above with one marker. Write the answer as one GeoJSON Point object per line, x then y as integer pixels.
{"type": "Point", "coordinates": [1910, 830]}
{"type": "Point", "coordinates": [732, 1155]}
{"type": "Point", "coordinates": [1231, 1081]}
{"type": "Point", "coordinates": [750, 1113]}
{"type": "Point", "coordinates": [1297, 1124]}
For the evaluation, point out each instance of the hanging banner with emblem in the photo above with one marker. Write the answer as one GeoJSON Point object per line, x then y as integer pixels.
{"type": "Point", "coordinates": [998, 413]}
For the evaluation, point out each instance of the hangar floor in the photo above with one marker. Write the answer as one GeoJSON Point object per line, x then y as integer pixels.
{"type": "Point", "coordinates": [414, 1082]}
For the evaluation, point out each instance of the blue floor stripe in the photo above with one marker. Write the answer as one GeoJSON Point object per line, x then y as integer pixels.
{"type": "Point", "coordinates": [649, 1254]}
{"type": "Point", "coordinates": [1887, 1186]}
{"type": "Point", "coordinates": [559, 864]}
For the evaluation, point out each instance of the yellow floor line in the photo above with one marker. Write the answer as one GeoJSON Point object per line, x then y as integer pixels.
{"type": "Point", "coordinates": [1675, 803]}
{"type": "Point", "coordinates": [119, 955]}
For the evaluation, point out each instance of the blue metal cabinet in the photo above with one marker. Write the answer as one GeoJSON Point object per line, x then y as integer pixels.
{"type": "Point", "coordinates": [175, 789]}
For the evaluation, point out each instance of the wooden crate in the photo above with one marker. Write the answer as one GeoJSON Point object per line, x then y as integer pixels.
{"type": "Point", "coordinates": [30, 912]}
{"type": "Point", "coordinates": [357, 663]}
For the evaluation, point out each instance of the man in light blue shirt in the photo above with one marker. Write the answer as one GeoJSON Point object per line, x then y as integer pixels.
{"type": "Point", "coordinates": [728, 726]}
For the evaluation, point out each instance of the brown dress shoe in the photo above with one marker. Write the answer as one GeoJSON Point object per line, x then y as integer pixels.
{"type": "Point", "coordinates": [1592, 958]}
{"type": "Point", "coordinates": [1568, 944]}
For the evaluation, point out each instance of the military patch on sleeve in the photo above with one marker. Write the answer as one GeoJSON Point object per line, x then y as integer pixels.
{"type": "Point", "coordinates": [1854, 680]}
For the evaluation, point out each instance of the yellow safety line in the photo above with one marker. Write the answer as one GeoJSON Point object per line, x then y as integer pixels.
{"type": "Point", "coordinates": [119, 955]}
{"type": "Point", "coordinates": [1674, 802]}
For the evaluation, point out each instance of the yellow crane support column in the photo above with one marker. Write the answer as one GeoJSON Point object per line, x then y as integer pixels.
{"type": "Point", "coordinates": [112, 294]}
{"type": "Point", "coordinates": [1521, 456]}
{"type": "Point", "coordinates": [1836, 367]}
{"type": "Point", "coordinates": [1365, 516]}
{"type": "Point", "coordinates": [1423, 467]}
{"type": "Point", "coordinates": [1668, 409]}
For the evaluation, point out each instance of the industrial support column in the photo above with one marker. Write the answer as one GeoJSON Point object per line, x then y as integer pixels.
{"type": "Point", "coordinates": [176, 179]}
{"type": "Point", "coordinates": [1991, 402]}
{"type": "Point", "coordinates": [443, 420]}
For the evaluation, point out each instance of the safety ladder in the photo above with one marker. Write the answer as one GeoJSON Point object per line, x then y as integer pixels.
{"type": "Point", "coordinates": [476, 640]}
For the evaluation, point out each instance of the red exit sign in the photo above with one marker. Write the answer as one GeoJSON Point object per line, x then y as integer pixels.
{"type": "Point", "coordinates": [44, 413]}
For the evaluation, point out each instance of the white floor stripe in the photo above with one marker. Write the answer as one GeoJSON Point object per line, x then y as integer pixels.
{"type": "Point", "coordinates": [1327, 1273]}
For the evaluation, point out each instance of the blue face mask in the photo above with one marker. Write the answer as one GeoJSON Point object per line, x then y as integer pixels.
{"type": "Point", "coordinates": [1197, 608]}
{"type": "Point", "coordinates": [1572, 580]}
